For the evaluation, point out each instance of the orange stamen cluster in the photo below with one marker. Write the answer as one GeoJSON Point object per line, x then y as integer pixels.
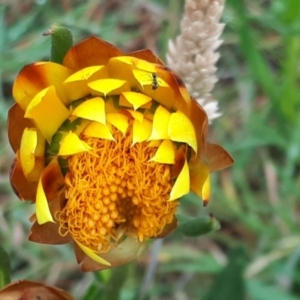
{"type": "Point", "coordinates": [114, 190]}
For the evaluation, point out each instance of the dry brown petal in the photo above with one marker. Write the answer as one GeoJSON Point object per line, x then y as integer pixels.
{"type": "Point", "coordinates": [16, 123]}
{"type": "Point", "coordinates": [179, 160]}
{"type": "Point", "coordinates": [48, 232]}
{"type": "Point", "coordinates": [147, 55]}
{"type": "Point", "coordinates": [200, 122]}
{"type": "Point", "coordinates": [30, 290]}
{"type": "Point", "coordinates": [53, 180]}
{"type": "Point", "coordinates": [24, 189]}
{"type": "Point", "coordinates": [216, 158]}
{"type": "Point", "coordinates": [90, 52]}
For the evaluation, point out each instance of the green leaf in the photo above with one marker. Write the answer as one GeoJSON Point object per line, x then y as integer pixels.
{"type": "Point", "coordinates": [201, 263]}
{"type": "Point", "coordinates": [2, 27]}
{"type": "Point", "coordinates": [93, 292]}
{"type": "Point", "coordinates": [248, 43]}
{"type": "Point", "coordinates": [260, 291]}
{"type": "Point", "coordinates": [199, 226]}
{"type": "Point", "coordinates": [292, 157]}
{"type": "Point", "coordinates": [16, 31]}
{"type": "Point", "coordinates": [289, 78]}
{"type": "Point", "coordinates": [4, 268]}
{"type": "Point", "coordinates": [114, 285]}
{"type": "Point", "coordinates": [290, 11]}
{"type": "Point", "coordinates": [230, 284]}
{"type": "Point", "coordinates": [62, 41]}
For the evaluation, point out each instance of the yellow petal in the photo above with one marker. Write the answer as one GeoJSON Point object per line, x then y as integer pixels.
{"type": "Point", "coordinates": [141, 131]}
{"type": "Point", "coordinates": [83, 124]}
{"type": "Point", "coordinates": [72, 144]}
{"type": "Point", "coordinates": [182, 184]}
{"type": "Point", "coordinates": [144, 65]}
{"type": "Point", "coordinates": [76, 85]}
{"type": "Point", "coordinates": [76, 90]}
{"type": "Point", "coordinates": [136, 62]}
{"type": "Point", "coordinates": [156, 88]}
{"type": "Point", "coordinates": [32, 153]}
{"type": "Point", "coordinates": [118, 120]}
{"type": "Point", "coordinates": [124, 102]}
{"type": "Point", "coordinates": [27, 149]}
{"type": "Point", "coordinates": [110, 106]}
{"type": "Point", "coordinates": [181, 98]}
{"type": "Point", "coordinates": [154, 144]}
{"type": "Point", "coordinates": [148, 114]}
{"type": "Point", "coordinates": [37, 76]}
{"type": "Point", "coordinates": [109, 86]}
{"type": "Point", "coordinates": [133, 62]}
{"type": "Point", "coordinates": [128, 60]}
{"type": "Point", "coordinates": [160, 124]}
{"type": "Point", "coordinates": [43, 214]}
{"type": "Point", "coordinates": [47, 112]}
{"type": "Point", "coordinates": [182, 130]}
{"type": "Point", "coordinates": [206, 191]}
{"type": "Point", "coordinates": [136, 115]}
{"type": "Point", "coordinates": [98, 130]}
{"type": "Point", "coordinates": [136, 99]}
{"type": "Point", "coordinates": [92, 109]}
{"type": "Point", "coordinates": [149, 79]}
{"type": "Point", "coordinates": [121, 68]}
{"type": "Point", "coordinates": [95, 72]}
{"type": "Point", "coordinates": [200, 180]}
{"type": "Point", "coordinates": [89, 252]}
{"type": "Point", "coordinates": [165, 154]}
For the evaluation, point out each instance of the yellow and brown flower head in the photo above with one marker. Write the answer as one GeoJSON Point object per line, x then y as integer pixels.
{"type": "Point", "coordinates": [106, 144]}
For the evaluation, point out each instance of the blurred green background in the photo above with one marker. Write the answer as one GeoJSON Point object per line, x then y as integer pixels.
{"type": "Point", "coordinates": [256, 253]}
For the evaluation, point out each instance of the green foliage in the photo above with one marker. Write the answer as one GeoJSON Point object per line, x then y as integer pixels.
{"type": "Point", "coordinates": [260, 291]}
{"type": "Point", "coordinates": [4, 268]}
{"type": "Point", "coordinates": [229, 284]}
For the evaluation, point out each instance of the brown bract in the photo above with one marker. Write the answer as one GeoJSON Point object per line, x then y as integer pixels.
{"type": "Point", "coordinates": [30, 290]}
{"type": "Point", "coordinates": [24, 189]}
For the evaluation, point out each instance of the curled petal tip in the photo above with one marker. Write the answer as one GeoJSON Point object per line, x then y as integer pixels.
{"type": "Point", "coordinates": [205, 202]}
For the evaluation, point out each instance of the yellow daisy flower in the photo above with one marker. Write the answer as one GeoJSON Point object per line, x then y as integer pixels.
{"type": "Point", "coordinates": [106, 144]}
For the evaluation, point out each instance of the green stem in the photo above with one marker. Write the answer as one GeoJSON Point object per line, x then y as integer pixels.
{"type": "Point", "coordinates": [289, 94]}
{"type": "Point", "coordinates": [4, 268]}
{"type": "Point", "coordinates": [114, 286]}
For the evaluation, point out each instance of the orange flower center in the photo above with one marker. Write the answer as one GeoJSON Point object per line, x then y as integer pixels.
{"type": "Point", "coordinates": [115, 190]}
